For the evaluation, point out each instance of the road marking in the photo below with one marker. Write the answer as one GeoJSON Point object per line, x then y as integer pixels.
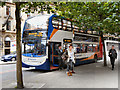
{"type": "Point", "coordinates": [42, 85]}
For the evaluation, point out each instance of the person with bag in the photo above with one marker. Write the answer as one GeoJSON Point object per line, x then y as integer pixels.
{"type": "Point", "coordinates": [113, 56]}
{"type": "Point", "coordinates": [70, 60]}
{"type": "Point", "coordinates": [64, 58]}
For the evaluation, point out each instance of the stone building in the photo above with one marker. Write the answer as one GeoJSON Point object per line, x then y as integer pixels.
{"type": "Point", "coordinates": [7, 27]}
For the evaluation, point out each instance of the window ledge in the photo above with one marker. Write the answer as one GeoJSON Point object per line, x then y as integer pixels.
{"type": "Point", "coordinates": [10, 31]}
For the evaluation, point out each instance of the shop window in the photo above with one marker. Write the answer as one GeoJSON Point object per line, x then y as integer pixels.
{"type": "Point", "coordinates": [7, 43]}
{"type": "Point", "coordinates": [8, 26]}
{"type": "Point", "coordinates": [8, 10]}
{"type": "Point", "coordinates": [7, 51]}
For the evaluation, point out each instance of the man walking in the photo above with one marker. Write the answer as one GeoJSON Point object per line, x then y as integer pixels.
{"type": "Point", "coordinates": [60, 52]}
{"type": "Point", "coordinates": [113, 56]}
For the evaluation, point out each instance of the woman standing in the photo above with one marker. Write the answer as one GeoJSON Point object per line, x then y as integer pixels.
{"type": "Point", "coordinates": [70, 61]}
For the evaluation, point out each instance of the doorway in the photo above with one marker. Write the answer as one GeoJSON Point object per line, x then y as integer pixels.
{"type": "Point", "coordinates": [53, 53]}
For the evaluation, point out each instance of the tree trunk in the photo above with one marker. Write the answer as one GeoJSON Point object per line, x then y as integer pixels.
{"type": "Point", "coordinates": [18, 48]}
{"type": "Point", "coordinates": [105, 62]}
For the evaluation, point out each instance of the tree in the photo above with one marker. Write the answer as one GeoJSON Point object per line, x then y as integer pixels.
{"type": "Point", "coordinates": [95, 14]}
{"type": "Point", "coordinates": [101, 16]}
{"type": "Point", "coordinates": [18, 48]}
{"type": "Point", "coordinates": [27, 7]}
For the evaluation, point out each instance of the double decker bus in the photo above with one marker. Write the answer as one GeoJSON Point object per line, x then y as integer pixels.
{"type": "Point", "coordinates": [43, 34]}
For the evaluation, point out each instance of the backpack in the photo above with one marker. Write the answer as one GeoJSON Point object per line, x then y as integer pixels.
{"type": "Point", "coordinates": [65, 55]}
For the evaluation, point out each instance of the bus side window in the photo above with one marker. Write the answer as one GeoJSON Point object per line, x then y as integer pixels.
{"type": "Point", "coordinates": [89, 48]}
{"type": "Point", "coordinates": [86, 48]}
{"type": "Point", "coordinates": [96, 48]}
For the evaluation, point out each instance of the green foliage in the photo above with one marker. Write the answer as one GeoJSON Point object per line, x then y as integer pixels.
{"type": "Point", "coordinates": [2, 3]}
{"type": "Point", "coordinates": [104, 16]}
{"type": "Point", "coordinates": [31, 7]}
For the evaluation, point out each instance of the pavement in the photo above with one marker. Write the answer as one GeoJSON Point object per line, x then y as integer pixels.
{"type": "Point", "coordinates": [93, 75]}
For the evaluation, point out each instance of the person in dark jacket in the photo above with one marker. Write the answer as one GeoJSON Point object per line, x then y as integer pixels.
{"type": "Point", "coordinates": [60, 52]}
{"type": "Point", "coordinates": [113, 56]}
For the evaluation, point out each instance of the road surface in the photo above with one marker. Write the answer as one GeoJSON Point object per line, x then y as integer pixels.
{"type": "Point", "coordinates": [93, 75]}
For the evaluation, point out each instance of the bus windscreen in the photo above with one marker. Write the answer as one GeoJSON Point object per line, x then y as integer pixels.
{"type": "Point", "coordinates": [34, 42]}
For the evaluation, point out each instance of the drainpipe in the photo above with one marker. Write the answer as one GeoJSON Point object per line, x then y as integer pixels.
{"type": "Point", "coordinates": [5, 21]}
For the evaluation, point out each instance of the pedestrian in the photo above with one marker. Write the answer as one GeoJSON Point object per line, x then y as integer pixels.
{"type": "Point", "coordinates": [60, 52]}
{"type": "Point", "coordinates": [70, 60]}
{"type": "Point", "coordinates": [113, 56]}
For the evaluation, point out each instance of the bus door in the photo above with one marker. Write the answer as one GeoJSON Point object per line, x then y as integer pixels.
{"type": "Point", "coordinates": [54, 55]}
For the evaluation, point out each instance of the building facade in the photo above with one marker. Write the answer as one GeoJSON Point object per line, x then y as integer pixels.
{"type": "Point", "coordinates": [7, 28]}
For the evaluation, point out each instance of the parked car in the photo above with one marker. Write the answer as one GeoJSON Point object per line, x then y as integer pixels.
{"type": "Point", "coordinates": [9, 57]}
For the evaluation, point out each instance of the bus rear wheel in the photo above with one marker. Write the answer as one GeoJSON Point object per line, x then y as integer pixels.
{"type": "Point", "coordinates": [95, 58]}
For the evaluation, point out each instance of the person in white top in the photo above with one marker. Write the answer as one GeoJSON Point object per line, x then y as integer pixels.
{"type": "Point", "coordinates": [70, 60]}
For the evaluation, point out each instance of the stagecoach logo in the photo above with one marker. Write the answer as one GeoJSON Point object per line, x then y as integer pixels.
{"type": "Point", "coordinates": [31, 59]}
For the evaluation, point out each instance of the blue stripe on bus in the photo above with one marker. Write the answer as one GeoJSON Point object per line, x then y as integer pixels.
{"type": "Point", "coordinates": [32, 55]}
{"type": "Point", "coordinates": [44, 66]}
{"type": "Point", "coordinates": [50, 27]}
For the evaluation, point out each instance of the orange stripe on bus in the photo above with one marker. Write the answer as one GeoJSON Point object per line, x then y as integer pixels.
{"type": "Point", "coordinates": [53, 32]}
{"type": "Point", "coordinates": [55, 55]}
{"type": "Point", "coordinates": [91, 57]}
